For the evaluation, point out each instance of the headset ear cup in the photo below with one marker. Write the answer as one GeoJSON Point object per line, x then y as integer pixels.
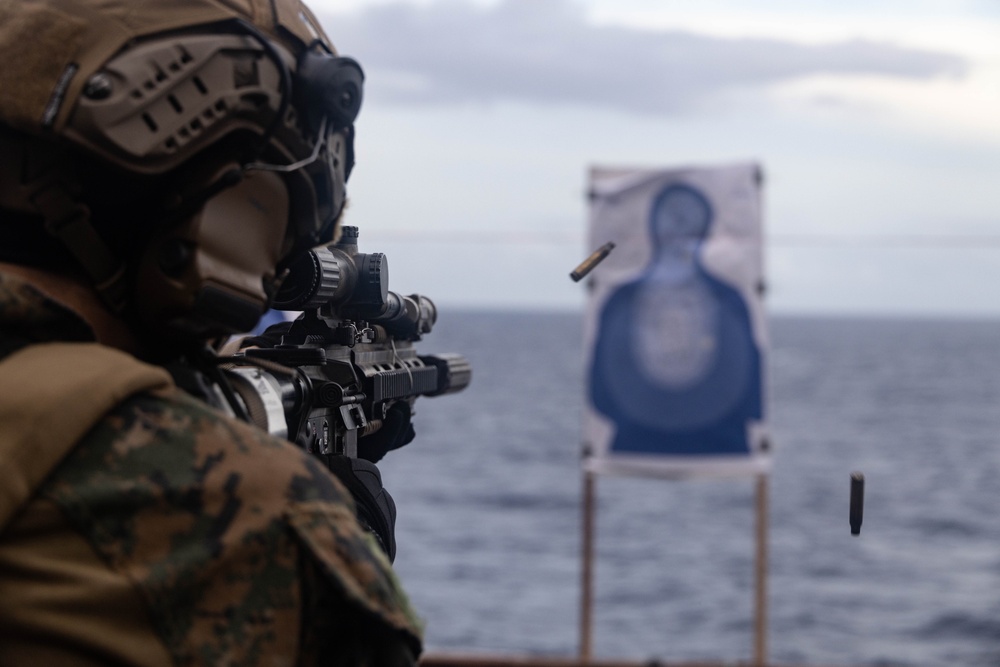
{"type": "Point", "coordinates": [212, 273]}
{"type": "Point", "coordinates": [330, 87]}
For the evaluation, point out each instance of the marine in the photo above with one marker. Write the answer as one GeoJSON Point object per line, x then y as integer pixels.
{"type": "Point", "coordinates": [161, 163]}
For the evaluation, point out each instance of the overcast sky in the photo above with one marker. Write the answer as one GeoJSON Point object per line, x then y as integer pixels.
{"type": "Point", "coordinates": [877, 125]}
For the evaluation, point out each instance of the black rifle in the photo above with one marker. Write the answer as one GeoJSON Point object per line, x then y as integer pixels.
{"type": "Point", "coordinates": [341, 380]}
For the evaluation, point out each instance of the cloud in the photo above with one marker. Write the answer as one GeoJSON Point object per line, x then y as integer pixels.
{"type": "Point", "coordinates": [545, 51]}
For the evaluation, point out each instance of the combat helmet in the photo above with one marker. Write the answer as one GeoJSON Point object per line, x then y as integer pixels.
{"type": "Point", "coordinates": [182, 152]}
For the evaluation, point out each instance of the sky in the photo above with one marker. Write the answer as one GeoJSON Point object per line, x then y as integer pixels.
{"type": "Point", "coordinates": [876, 123]}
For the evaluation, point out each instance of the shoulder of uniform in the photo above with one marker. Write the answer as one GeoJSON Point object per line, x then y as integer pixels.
{"type": "Point", "coordinates": [175, 471]}
{"type": "Point", "coordinates": [179, 431]}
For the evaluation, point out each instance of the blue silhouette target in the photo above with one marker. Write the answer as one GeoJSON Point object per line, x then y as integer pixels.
{"type": "Point", "coordinates": [675, 366]}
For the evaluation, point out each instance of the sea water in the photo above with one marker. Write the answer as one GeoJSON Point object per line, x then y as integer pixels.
{"type": "Point", "coordinates": [489, 504]}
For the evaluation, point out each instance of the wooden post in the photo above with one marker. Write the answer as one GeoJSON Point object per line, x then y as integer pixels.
{"type": "Point", "coordinates": [587, 558]}
{"type": "Point", "coordinates": [760, 593]}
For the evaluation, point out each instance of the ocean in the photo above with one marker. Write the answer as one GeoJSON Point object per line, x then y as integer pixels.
{"type": "Point", "coordinates": [489, 504]}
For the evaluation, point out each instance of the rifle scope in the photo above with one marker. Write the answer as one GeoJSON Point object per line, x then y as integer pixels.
{"type": "Point", "coordinates": [337, 275]}
{"type": "Point", "coordinates": [355, 285]}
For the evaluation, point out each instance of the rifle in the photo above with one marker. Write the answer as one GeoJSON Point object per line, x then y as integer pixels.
{"type": "Point", "coordinates": [342, 378]}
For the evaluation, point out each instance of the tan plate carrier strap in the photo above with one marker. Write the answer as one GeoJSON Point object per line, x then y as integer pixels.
{"type": "Point", "coordinates": [51, 394]}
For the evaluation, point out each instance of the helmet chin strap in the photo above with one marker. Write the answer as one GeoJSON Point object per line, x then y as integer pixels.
{"type": "Point", "coordinates": [68, 221]}
{"type": "Point", "coordinates": [40, 180]}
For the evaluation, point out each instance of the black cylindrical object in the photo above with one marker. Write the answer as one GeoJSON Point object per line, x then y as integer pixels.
{"type": "Point", "coordinates": [857, 501]}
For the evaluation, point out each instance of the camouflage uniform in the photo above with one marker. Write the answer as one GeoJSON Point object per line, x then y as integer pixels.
{"type": "Point", "coordinates": [175, 535]}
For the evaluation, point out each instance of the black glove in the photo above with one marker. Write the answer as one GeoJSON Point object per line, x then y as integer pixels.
{"type": "Point", "coordinates": [376, 509]}
{"type": "Point", "coordinates": [396, 431]}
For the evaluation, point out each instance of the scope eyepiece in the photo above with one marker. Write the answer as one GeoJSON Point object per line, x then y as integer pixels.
{"type": "Point", "coordinates": [315, 278]}
{"type": "Point", "coordinates": [337, 275]}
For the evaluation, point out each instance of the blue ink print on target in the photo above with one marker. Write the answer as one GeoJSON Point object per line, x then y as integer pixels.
{"type": "Point", "coordinates": [675, 367]}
